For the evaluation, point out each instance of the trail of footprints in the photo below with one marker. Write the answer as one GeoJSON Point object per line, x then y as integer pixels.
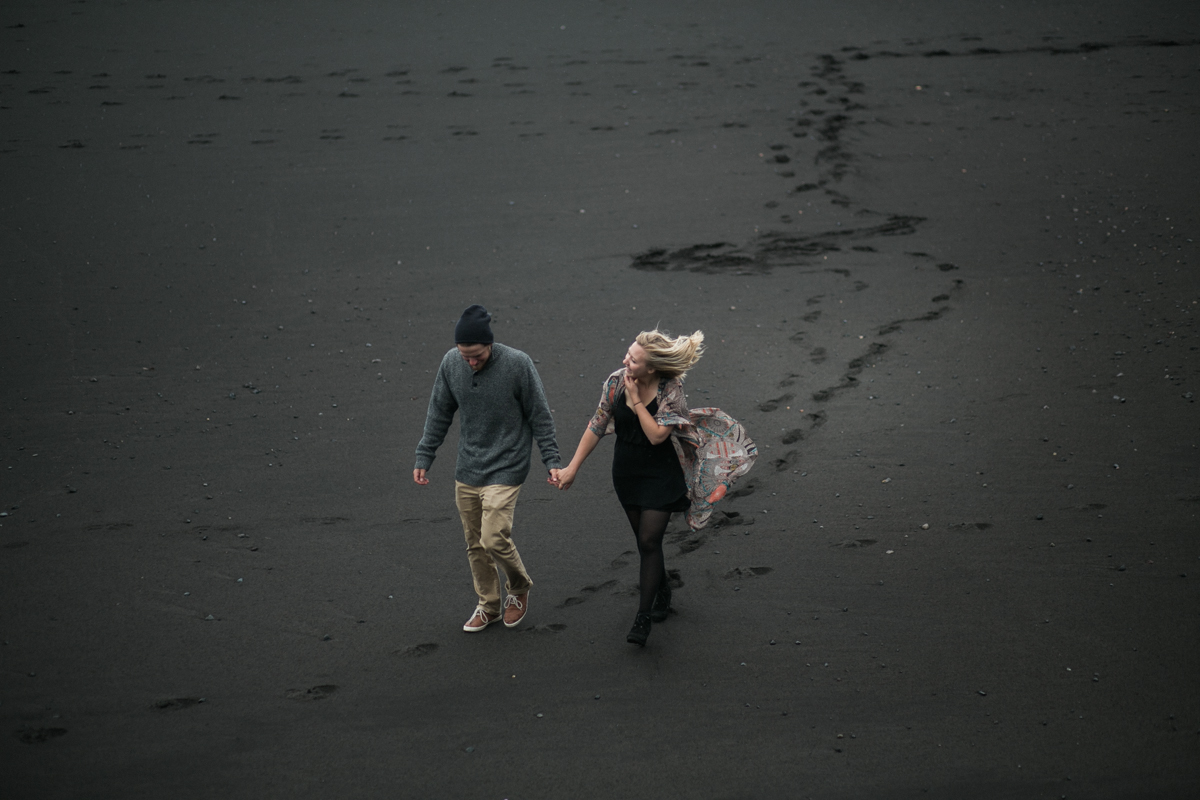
{"type": "Point", "coordinates": [830, 99]}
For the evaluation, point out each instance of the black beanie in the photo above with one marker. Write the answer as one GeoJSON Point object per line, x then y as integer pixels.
{"type": "Point", "coordinates": [473, 327]}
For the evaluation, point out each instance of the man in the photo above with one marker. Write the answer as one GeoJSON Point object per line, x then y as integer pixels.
{"type": "Point", "coordinates": [504, 409]}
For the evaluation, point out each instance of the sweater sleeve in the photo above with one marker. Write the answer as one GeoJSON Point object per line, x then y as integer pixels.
{"type": "Point", "coordinates": [440, 414]}
{"type": "Point", "coordinates": [537, 411]}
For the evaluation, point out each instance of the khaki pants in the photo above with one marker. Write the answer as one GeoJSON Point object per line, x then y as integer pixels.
{"type": "Point", "coordinates": [487, 517]}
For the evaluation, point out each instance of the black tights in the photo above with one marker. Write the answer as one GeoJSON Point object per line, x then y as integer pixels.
{"type": "Point", "coordinates": [649, 526]}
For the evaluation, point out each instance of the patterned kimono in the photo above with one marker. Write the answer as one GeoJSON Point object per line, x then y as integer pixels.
{"type": "Point", "coordinates": [713, 448]}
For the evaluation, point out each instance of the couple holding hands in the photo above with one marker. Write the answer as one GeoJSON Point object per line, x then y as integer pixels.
{"type": "Point", "coordinates": [666, 458]}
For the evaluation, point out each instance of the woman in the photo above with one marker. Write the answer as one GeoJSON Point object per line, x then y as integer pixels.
{"type": "Point", "coordinates": [666, 459]}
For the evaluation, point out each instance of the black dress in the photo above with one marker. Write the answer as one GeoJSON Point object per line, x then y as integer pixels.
{"type": "Point", "coordinates": [644, 474]}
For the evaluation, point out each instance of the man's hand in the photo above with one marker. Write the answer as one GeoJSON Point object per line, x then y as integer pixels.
{"type": "Point", "coordinates": [419, 477]}
{"type": "Point", "coordinates": [553, 479]}
{"type": "Point", "coordinates": [566, 477]}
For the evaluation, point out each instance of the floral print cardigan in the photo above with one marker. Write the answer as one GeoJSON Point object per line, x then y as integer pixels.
{"type": "Point", "coordinates": [713, 448]}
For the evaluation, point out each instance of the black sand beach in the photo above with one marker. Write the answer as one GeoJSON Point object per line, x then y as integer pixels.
{"type": "Point", "coordinates": [944, 258]}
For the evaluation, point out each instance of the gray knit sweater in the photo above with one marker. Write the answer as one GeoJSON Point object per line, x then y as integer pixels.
{"type": "Point", "coordinates": [503, 409]}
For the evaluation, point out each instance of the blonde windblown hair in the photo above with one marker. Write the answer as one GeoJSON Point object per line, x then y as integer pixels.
{"type": "Point", "coordinates": [671, 356]}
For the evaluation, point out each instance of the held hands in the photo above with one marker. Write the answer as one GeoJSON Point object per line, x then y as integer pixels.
{"type": "Point", "coordinates": [563, 479]}
{"type": "Point", "coordinates": [419, 477]}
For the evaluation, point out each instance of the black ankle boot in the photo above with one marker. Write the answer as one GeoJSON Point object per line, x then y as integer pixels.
{"type": "Point", "coordinates": [662, 603]}
{"type": "Point", "coordinates": [640, 631]}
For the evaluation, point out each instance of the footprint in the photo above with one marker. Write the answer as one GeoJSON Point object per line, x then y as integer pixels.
{"type": "Point", "coordinates": [549, 627]}
{"type": "Point", "coordinates": [38, 735]}
{"type": "Point", "coordinates": [812, 316]}
{"type": "Point", "coordinates": [622, 560]}
{"type": "Point", "coordinates": [417, 651]}
{"type": "Point", "coordinates": [598, 587]}
{"type": "Point", "coordinates": [176, 703]}
{"type": "Point", "coordinates": [771, 405]}
{"type": "Point", "coordinates": [793, 436]}
{"type": "Point", "coordinates": [312, 693]}
{"type": "Point", "coordinates": [109, 526]}
{"type": "Point", "coordinates": [744, 491]}
{"type": "Point", "coordinates": [571, 601]}
{"type": "Point", "coordinates": [855, 543]}
{"type": "Point", "coordinates": [737, 573]}
{"type": "Point", "coordinates": [818, 355]}
{"type": "Point", "coordinates": [325, 520]}
{"type": "Point", "coordinates": [722, 518]}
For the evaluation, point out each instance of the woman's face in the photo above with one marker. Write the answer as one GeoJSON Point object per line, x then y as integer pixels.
{"type": "Point", "coordinates": [635, 362]}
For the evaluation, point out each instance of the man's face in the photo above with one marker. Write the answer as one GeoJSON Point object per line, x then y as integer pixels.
{"type": "Point", "coordinates": [475, 354]}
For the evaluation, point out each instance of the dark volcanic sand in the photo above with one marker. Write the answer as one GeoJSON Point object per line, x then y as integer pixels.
{"type": "Point", "coordinates": [943, 254]}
